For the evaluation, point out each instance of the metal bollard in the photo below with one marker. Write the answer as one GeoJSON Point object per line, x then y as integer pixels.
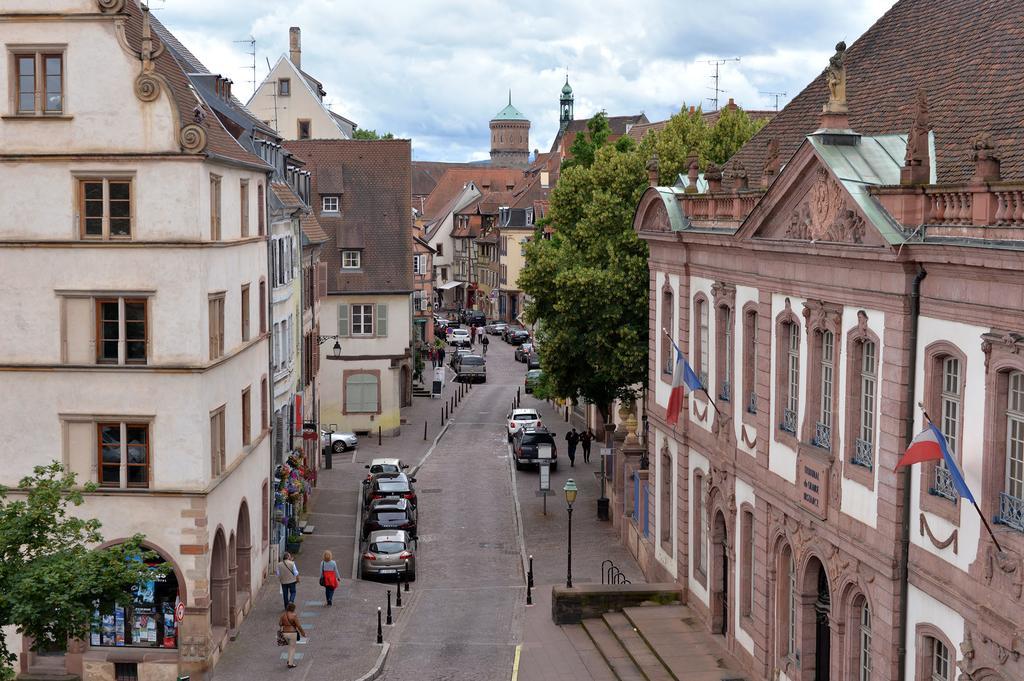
{"type": "Point", "coordinates": [380, 436]}
{"type": "Point", "coordinates": [406, 586]}
{"type": "Point", "coordinates": [424, 430]}
{"type": "Point", "coordinates": [529, 594]}
{"type": "Point", "coordinates": [398, 596]}
{"type": "Point", "coordinates": [517, 392]}
{"type": "Point", "coordinates": [389, 620]}
{"type": "Point", "coordinates": [329, 458]}
{"type": "Point", "coordinates": [529, 575]}
{"type": "Point", "coordinates": [442, 416]}
{"type": "Point", "coordinates": [380, 630]}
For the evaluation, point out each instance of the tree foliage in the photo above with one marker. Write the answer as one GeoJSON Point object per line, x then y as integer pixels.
{"type": "Point", "coordinates": [687, 132]}
{"type": "Point", "coordinates": [51, 577]}
{"type": "Point", "coordinates": [366, 134]}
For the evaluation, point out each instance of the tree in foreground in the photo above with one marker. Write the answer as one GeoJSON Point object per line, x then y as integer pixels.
{"type": "Point", "coordinates": [51, 578]}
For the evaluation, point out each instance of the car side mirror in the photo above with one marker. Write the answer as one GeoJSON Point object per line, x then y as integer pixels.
{"type": "Point", "coordinates": [366, 466]}
{"type": "Point", "coordinates": [405, 465]}
{"type": "Point", "coordinates": [412, 479]}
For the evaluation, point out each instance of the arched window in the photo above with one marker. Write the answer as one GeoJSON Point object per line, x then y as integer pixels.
{"type": "Point", "coordinates": [941, 663]}
{"type": "Point", "coordinates": [950, 410]}
{"type": "Point", "coordinates": [791, 377]}
{"type": "Point", "coordinates": [668, 359]}
{"type": "Point", "coordinates": [1011, 500]}
{"type": "Point", "coordinates": [826, 388]}
{"type": "Point", "coordinates": [699, 517]}
{"type": "Point", "coordinates": [725, 332]}
{"type": "Point", "coordinates": [750, 360]}
{"type": "Point", "coordinates": [747, 566]}
{"type": "Point", "coordinates": [864, 644]}
{"type": "Point", "coordinates": [666, 498]}
{"type": "Point", "coordinates": [864, 417]}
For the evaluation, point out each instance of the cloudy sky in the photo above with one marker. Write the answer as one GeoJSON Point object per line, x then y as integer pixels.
{"type": "Point", "coordinates": [436, 71]}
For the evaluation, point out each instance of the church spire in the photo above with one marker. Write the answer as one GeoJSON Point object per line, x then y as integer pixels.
{"type": "Point", "coordinates": [565, 105]}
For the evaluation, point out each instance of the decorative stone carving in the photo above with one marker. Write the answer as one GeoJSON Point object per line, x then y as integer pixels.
{"type": "Point", "coordinates": [723, 294]}
{"type": "Point", "coordinates": [823, 214]}
{"type": "Point", "coordinates": [692, 173]}
{"type": "Point", "coordinates": [110, 6]}
{"type": "Point", "coordinates": [147, 84]}
{"type": "Point", "coordinates": [192, 138]}
{"type": "Point", "coordinates": [713, 175]}
{"type": "Point", "coordinates": [657, 217]}
{"type": "Point", "coordinates": [822, 315]}
{"type": "Point", "coordinates": [147, 87]}
{"type": "Point", "coordinates": [1007, 342]}
{"type": "Point", "coordinates": [653, 174]}
{"type": "Point", "coordinates": [1010, 566]}
{"type": "Point", "coordinates": [738, 175]}
{"type": "Point", "coordinates": [926, 531]}
{"type": "Point", "coordinates": [771, 162]}
{"type": "Point", "coordinates": [836, 564]}
{"type": "Point", "coordinates": [917, 161]}
{"type": "Point", "coordinates": [835, 76]}
{"type": "Point", "coordinates": [986, 161]}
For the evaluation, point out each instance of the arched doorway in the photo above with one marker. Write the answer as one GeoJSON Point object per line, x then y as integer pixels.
{"type": "Point", "coordinates": [220, 583]}
{"type": "Point", "coordinates": [719, 576]}
{"type": "Point", "coordinates": [406, 386]}
{"type": "Point", "coordinates": [816, 609]}
{"type": "Point", "coordinates": [243, 555]}
{"type": "Point", "coordinates": [233, 581]}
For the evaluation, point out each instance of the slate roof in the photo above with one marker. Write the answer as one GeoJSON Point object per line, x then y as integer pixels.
{"type": "Point", "coordinates": [375, 211]}
{"type": "Point", "coordinates": [308, 223]}
{"type": "Point", "coordinates": [425, 175]}
{"type": "Point", "coordinates": [454, 179]}
{"type": "Point", "coordinates": [966, 56]}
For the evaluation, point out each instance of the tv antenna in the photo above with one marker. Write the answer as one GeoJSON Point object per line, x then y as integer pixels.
{"type": "Point", "coordinates": [717, 63]}
{"type": "Point", "coordinates": [776, 96]}
{"type": "Point", "coordinates": [252, 53]}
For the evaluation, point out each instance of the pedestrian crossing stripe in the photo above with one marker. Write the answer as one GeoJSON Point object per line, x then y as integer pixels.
{"type": "Point", "coordinates": [298, 656]}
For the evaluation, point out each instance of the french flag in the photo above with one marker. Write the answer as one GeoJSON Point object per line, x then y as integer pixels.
{"type": "Point", "coordinates": [930, 445]}
{"type": "Point", "coordinates": [682, 375]}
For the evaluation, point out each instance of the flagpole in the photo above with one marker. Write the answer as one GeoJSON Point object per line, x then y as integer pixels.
{"type": "Point", "coordinates": [974, 503]}
{"type": "Point", "coordinates": [702, 388]}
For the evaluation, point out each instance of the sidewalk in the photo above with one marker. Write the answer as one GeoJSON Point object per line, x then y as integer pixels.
{"type": "Point", "coordinates": [341, 640]}
{"type": "Point", "coordinates": [547, 653]}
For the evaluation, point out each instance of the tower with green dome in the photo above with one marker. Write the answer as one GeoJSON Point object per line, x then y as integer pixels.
{"type": "Point", "coordinates": [510, 137]}
{"type": "Point", "coordinates": [565, 117]}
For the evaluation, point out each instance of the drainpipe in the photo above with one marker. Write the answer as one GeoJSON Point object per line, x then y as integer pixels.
{"type": "Point", "coordinates": [904, 558]}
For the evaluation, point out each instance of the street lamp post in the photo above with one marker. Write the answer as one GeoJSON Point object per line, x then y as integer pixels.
{"type": "Point", "coordinates": [570, 497]}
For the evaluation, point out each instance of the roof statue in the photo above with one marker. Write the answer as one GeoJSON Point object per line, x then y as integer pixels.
{"type": "Point", "coordinates": [916, 163]}
{"type": "Point", "coordinates": [835, 75]}
{"type": "Point", "coordinates": [692, 173]}
{"type": "Point", "coordinates": [986, 160]}
{"type": "Point", "coordinates": [771, 162]}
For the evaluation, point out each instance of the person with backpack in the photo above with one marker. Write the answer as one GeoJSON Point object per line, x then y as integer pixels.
{"type": "Point", "coordinates": [484, 341]}
{"type": "Point", "coordinates": [328, 576]}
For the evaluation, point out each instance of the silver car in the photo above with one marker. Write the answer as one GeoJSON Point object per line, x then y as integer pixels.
{"type": "Point", "coordinates": [338, 442]}
{"type": "Point", "coordinates": [390, 553]}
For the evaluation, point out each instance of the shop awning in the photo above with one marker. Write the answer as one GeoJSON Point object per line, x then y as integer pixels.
{"type": "Point", "coordinates": [450, 285]}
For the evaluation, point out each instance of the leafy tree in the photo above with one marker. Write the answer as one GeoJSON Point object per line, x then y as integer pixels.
{"type": "Point", "coordinates": [686, 132]}
{"type": "Point", "coordinates": [365, 134]}
{"type": "Point", "coordinates": [51, 579]}
{"type": "Point", "coordinates": [584, 147]}
{"type": "Point", "coordinates": [730, 132]}
{"type": "Point", "coordinates": [588, 283]}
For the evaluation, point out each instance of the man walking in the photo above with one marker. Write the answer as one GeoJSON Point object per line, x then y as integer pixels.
{"type": "Point", "coordinates": [440, 357]}
{"type": "Point", "coordinates": [472, 335]}
{"type": "Point", "coordinates": [288, 574]}
{"type": "Point", "coordinates": [586, 439]}
{"type": "Point", "coordinates": [484, 341]}
{"type": "Point", "coordinates": [573, 438]}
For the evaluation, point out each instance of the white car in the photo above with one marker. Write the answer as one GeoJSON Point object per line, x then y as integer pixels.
{"type": "Point", "coordinates": [518, 419]}
{"type": "Point", "coordinates": [459, 337]}
{"type": "Point", "coordinates": [338, 442]}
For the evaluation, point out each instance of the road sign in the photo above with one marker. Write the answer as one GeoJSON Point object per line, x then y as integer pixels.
{"type": "Point", "coordinates": [179, 612]}
{"type": "Point", "coordinates": [545, 476]}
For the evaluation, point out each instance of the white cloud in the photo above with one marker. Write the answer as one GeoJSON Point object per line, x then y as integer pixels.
{"type": "Point", "coordinates": [437, 70]}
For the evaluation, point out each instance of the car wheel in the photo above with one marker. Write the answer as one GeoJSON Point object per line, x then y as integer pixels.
{"type": "Point", "coordinates": [338, 446]}
{"type": "Point", "coordinates": [519, 466]}
{"type": "Point", "coordinates": [410, 576]}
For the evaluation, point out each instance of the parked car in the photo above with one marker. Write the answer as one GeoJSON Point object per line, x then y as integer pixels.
{"type": "Point", "coordinates": [385, 466]}
{"type": "Point", "coordinates": [522, 351]}
{"type": "Point", "coordinates": [507, 331]}
{"type": "Point", "coordinates": [459, 338]}
{"type": "Point", "coordinates": [533, 377]}
{"type": "Point", "coordinates": [390, 552]}
{"type": "Point", "coordinates": [389, 514]}
{"type": "Point", "coordinates": [456, 354]}
{"type": "Point", "coordinates": [519, 336]}
{"type": "Point", "coordinates": [533, 361]}
{"type": "Point", "coordinates": [519, 419]}
{"type": "Point", "coordinates": [470, 368]}
{"type": "Point", "coordinates": [495, 328]}
{"type": "Point", "coordinates": [338, 442]}
{"type": "Point", "coordinates": [391, 486]}
{"type": "Point", "coordinates": [475, 318]}
{"type": "Point", "coordinates": [525, 446]}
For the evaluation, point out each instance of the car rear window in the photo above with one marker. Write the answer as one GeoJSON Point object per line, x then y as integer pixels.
{"type": "Point", "coordinates": [524, 417]}
{"type": "Point", "coordinates": [534, 438]}
{"type": "Point", "coordinates": [384, 468]}
{"type": "Point", "coordinates": [390, 517]}
{"type": "Point", "coordinates": [387, 547]}
{"type": "Point", "coordinates": [393, 487]}
{"type": "Point", "coordinates": [472, 359]}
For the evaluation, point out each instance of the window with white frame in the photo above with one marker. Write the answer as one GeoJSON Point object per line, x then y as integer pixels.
{"type": "Point", "coordinates": [1013, 506]}
{"type": "Point", "coordinates": [362, 320]}
{"type": "Point", "coordinates": [331, 204]}
{"type": "Point", "coordinates": [823, 431]}
{"type": "Point", "coordinates": [950, 410]}
{"type": "Point", "coordinates": [792, 384]}
{"type": "Point", "coordinates": [864, 651]}
{"type": "Point", "coordinates": [351, 260]}
{"type": "Point", "coordinates": [940, 660]}
{"type": "Point", "coordinates": [864, 454]}
{"type": "Point", "coordinates": [702, 310]}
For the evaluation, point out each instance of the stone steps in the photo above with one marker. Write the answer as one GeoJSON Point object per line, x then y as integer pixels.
{"type": "Point", "coordinates": [613, 652]}
{"type": "Point", "coordinates": [636, 647]}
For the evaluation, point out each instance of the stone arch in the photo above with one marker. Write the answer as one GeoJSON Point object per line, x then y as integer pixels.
{"type": "Point", "coordinates": [814, 606]}
{"type": "Point", "coordinates": [220, 582]}
{"type": "Point", "coordinates": [720, 566]}
{"type": "Point", "coordinates": [233, 579]}
{"type": "Point", "coordinates": [165, 555]}
{"type": "Point", "coordinates": [243, 553]}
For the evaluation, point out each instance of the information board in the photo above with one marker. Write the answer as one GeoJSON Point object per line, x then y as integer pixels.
{"type": "Point", "coordinates": [438, 383]}
{"type": "Point", "coordinates": [545, 477]}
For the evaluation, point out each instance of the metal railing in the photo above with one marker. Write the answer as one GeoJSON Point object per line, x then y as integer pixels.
{"type": "Point", "coordinates": [822, 436]}
{"type": "Point", "coordinates": [726, 392]}
{"type": "Point", "coordinates": [752, 403]}
{"type": "Point", "coordinates": [943, 484]}
{"type": "Point", "coordinates": [611, 574]}
{"type": "Point", "coordinates": [1011, 511]}
{"type": "Point", "coordinates": [863, 453]}
{"type": "Point", "coordinates": [788, 420]}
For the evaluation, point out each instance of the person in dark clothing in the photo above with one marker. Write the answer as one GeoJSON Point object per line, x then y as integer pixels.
{"type": "Point", "coordinates": [440, 357]}
{"type": "Point", "coordinates": [484, 341]}
{"type": "Point", "coordinates": [573, 438]}
{"type": "Point", "coordinates": [586, 439]}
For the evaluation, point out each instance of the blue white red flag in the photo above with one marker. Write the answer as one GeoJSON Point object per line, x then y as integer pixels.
{"type": "Point", "coordinates": [683, 374]}
{"type": "Point", "coordinates": [930, 445]}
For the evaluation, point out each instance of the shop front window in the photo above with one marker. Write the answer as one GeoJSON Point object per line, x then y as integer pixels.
{"type": "Point", "coordinates": [145, 619]}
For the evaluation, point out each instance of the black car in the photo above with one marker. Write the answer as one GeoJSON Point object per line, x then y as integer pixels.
{"type": "Point", "coordinates": [475, 319]}
{"type": "Point", "coordinates": [391, 486]}
{"type": "Point", "coordinates": [519, 336]}
{"type": "Point", "coordinates": [533, 361]}
{"type": "Point", "coordinates": [390, 514]}
{"type": "Point", "coordinates": [524, 447]}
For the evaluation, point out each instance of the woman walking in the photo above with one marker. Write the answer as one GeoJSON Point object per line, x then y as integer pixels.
{"type": "Point", "coordinates": [292, 630]}
{"type": "Point", "coordinates": [329, 576]}
{"type": "Point", "coordinates": [288, 574]}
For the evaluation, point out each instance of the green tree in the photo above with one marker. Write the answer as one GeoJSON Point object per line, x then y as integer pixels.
{"type": "Point", "coordinates": [51, 577]}
{"type": "Point", "coordinates": [685, 133]}
{"type": "Point", "coordinates": [365, 134]}
{"type": "Point", "coordinates": [588, 283]}
{"type": "Point", "coordinates": [730, 132]}
{"type": "Point", "coordinates": [585, 145]}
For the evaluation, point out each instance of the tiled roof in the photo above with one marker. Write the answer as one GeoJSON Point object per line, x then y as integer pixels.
{"type": "Point", "coordinates": [219, 142]}
{"type": "Point", "coordinates": [375, 209]}
{"type": "Point", "coordinates": [963, 53]}
{"type": "Point", "coordinates": [308, 223]}
{"type": "Point", "coordinates": [425, 175]}
{"type": "Point", "coordinates": [454, 179]}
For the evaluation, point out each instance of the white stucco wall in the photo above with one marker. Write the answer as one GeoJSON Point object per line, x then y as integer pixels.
{"type": "Point", "coordinates": [283, 113]}
{"type": "Point", "coordinates": [923, 609]}
{"type": "Point", "coordinates": [666, 558]}
{"type": "Point", "coordinates": [967, 338]}
{"type": "Point", "coordinates": [744, 495]}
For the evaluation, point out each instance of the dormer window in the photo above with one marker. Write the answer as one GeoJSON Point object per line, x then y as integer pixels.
{"type": "Point", "coordinates": [284, 87]}
{"type": "Point", "coordinates": [331, 204]}
{"type": "Point", "coordinates": [351, 260]}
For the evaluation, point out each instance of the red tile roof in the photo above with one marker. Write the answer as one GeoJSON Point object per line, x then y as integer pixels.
{"type": "Point", "coordinates": [963, 53]}
{"type": "Point", "coordinates": [376, 214]}
{"type": "Point", "coordinates": [455, 179]}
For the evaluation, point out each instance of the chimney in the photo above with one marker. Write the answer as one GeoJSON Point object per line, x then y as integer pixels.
{"type": "Point", "coordinates": [295, 46]}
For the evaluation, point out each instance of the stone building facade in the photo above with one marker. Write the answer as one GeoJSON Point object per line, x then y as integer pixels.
{"type": "Point", "coordinates": [848, 272]}
{"type": "Point", "coordinates": [510, 137]}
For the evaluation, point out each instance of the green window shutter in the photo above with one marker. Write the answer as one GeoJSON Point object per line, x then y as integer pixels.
{"type": "Point", "coordinates": [343, 320]}
{"type": "Point", "coordinates": [382, 319]}
{"type": "Point", "coordinates": [361, 394]}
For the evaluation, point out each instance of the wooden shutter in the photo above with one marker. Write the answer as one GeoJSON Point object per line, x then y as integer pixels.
{"type": "Point", "coordinates": [382, 319]}
{"type": "Point", "coordinates": [79, 331]}
{"type": "Point", "coordinates": [322, 267]}
{"type": "Point", "coordinates": [343, 319]}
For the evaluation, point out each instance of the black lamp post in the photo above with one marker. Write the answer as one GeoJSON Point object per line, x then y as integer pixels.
{"type": "Point", "coordinates": [570, 498]}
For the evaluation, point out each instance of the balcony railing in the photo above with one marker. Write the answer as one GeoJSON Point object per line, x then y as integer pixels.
{"type": "Point", "coordinates": [822, 436]}
{"type": "Point", "coordinates": [788, 420]}
{"type": "Point", "coordinates": [669, 366]}
{"type": "Point", "coordinates": [943, 484]}
{"type": "Point", "coordinates": [1011, 511]}
{"type": "Point", "coordinates": [704, 379]}
{"type": "Point", "coordinates": [726, 392]}
{"type": "Point", "coordinates": [752, 403]}
{"type": "Point", "coordinates": [864, 453]}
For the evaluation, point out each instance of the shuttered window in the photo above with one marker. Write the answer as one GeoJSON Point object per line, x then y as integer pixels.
{"type": "Point", "coordinates": [361, 394]}
{"type": "Point", "coordinates": [382, 319]}
{"type": "Point", "coordinates": [343, 320]}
